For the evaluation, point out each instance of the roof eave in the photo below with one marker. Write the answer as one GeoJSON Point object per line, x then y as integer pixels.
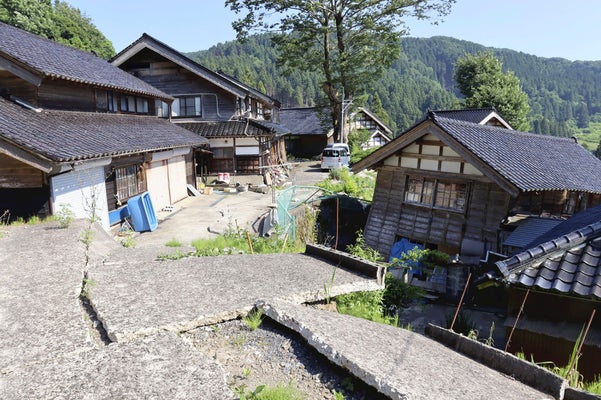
{"type": "Point", "coordinates": [147, 41]}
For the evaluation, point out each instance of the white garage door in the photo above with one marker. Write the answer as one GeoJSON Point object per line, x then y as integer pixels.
{"type": "Point", "coordinates": [177, 179]}
{"type": "Point", "coordinates": [83, 191]}
{"type": "Point", "coordinates": [158, 184]}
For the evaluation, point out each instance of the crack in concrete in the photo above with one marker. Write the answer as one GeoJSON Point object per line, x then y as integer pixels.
{"type": "Point", "coordinates": [96, 329]}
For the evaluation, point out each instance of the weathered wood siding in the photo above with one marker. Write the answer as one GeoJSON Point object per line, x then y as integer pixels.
{"type": "Point", "coordinates": [15, 86]}
{"type": "Point", "coordinates": [487, 206]}
{"type": "Point", "coordinates": [59, 94]}
{"type": "Point", "coordinates": [15, 174]}
{"type": "Point", "coordinates": [385, 211]}
{"type": "Point", "coordinates": [217, 103]}
{"type": "Point", "coordinates": [390, 217]}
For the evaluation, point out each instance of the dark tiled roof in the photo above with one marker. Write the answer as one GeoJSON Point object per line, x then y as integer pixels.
{"type": "Point", "coordinates": [63, 136]}
{"type": "Point", "coordinates": [474, 115]}
{"type": "Point", "coordinates": [220, 79]}
{"type": "Point", "coordinates": [568, 264]}
{"type": "Point", "coordinates": [49, 59]}
{"type": "Point", "coordinates": [529, 161]}
{"type": "Point", "coordinates": [226, 129]}
{"type": "Point", "coordinates": [302, 121]}
{"type": "Point", "coordinates": [576, 271]}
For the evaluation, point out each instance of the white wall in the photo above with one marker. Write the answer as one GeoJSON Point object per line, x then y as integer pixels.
{"type": "Point", "coordinates": [80, 189]}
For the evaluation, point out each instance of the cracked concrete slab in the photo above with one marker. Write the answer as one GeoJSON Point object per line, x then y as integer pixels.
{"type": "Point", "coordinates": [399, 363]}
{"type": "Point", "coordinates": [135, 298]}
{"type": "Point", "coordinates": [158, 367]}
{"type": "Point", "coordinates": [40, 314]}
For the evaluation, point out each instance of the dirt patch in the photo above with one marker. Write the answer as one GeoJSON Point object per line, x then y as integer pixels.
{"type": "Point", "coordinates": [273, 354]}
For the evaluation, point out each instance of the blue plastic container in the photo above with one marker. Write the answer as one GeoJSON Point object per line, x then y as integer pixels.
{"type": "Point", "coordinates": [118, 215]}
{"type": "Point", "coordinates": [141, 211]}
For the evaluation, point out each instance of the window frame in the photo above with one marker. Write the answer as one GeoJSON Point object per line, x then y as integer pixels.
{"type": "Point", "coordinates": [129, 181]}
{"type": "Point", "coordinates": [436, 193]}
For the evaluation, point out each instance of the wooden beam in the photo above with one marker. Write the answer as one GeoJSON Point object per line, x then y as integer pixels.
{"type": "Point", "coordinates": [26, 157]}
{"type": "Point", "coordinates": [22, 73]}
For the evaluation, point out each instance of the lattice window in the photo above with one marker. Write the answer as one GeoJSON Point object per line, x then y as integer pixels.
{"type": "Point", "coordinates": [129, 181]}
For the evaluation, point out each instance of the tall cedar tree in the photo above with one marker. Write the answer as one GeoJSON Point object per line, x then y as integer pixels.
{"type": "Point", "coordinates": [349, 42]}
{"type": "Point", "coordinates": [481, 80]}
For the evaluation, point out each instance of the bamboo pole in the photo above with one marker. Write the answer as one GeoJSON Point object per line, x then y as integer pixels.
{"type": "Point", "coordinates": [284, 244]}
{"type": "Point", "coordinates": [461, 300]}
{"type": "Point", "coordinates": [250, 243]}
{"type": "Point", "coordinates": [516, 320]}
{"type": "Point", "coordinates": [572, 363]}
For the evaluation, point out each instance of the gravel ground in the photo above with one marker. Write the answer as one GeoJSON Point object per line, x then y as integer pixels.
{"type": "Point", "coordinates": [272, 355]}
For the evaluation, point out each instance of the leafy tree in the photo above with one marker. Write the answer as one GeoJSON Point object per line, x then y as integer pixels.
{"type": "Point", "coordinates": [349, 42]}
{"type": "Point", "coordinates": [78, 31]}
{"type": "Point", "coordinates": [35, 16]}
{"type": "Point", "coordinates": [378, 109]}
{"type": "Point", "coordinates": [59, 22]}
{"type": "Point", "coordinates": [481, 80]}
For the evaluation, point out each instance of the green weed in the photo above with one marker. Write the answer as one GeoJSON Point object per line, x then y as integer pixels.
{"type": "Point", "coordinates": [173, 243]}
{"type": "Point", "coordinates": [278, 392]}
{"type": "Point", "coordinates": [253, 319]}
{"type": "Point", "coordinates": [64, 216]}
{"type": "Point", "coordinates": [341, 180]}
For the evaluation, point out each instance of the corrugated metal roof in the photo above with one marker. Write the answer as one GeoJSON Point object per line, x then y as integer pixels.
{"type": "Point", "coordinates": [530, 229]}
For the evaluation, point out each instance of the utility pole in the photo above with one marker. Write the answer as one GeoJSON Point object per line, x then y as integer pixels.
{"type": "Point", "coordinates": [344, 105]}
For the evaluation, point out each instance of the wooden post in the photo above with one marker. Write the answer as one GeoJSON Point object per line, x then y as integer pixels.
{"type": "Point", "coordinates": [572, 363]}
{"type": "Point", "coordinates": [461, 300]}
{"type": "Point", "coordinates": [250, 243]}
{"type": "Point", "coordinates": [337, 208]}
{"type": "Point", "coordinates": [516, 320]}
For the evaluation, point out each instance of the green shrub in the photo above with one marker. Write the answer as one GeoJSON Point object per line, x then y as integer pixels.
{"type": "Point", "coordinates": [366, 305]}
{"type": "Point", "coordinates": [399, 294]}
{"type": "Point", "coordinates": [361, 249]}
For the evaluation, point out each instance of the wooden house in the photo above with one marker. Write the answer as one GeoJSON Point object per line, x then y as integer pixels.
{"type": "Point", "coordinates": [78, 131]}
{"type": "Point", "coordinates": [454, 184]}
{"type": "Point", "coordinates": [240, 123]}
{"type": "Point", "coordinates": [310, 132]}
{"type": "Point", "coordinates": [365, 119]}
{"type": "Point", "coordinates": [557, 281]}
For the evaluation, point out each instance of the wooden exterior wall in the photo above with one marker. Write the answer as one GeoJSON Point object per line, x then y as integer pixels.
{"type": "Point", "coordinates": [24, 190]}
{"type": "Point", "coordinates": [559, 320]}
{"type": "Point", "coordinates": [16, 174]}
{"type": "Point", "coordinates": [15, 86]}
{"type": "Point", "coordinates": [63, 95]}
{"type": "Point", "coordinates": [391, 217]}
{"type": "Point", "coordinates": [169, 77]}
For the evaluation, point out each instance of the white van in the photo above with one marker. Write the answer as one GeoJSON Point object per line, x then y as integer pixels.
{"type": "Point", "coordinates": [338, 145]}
{"type": "Point", "coordinates": [335, 157]}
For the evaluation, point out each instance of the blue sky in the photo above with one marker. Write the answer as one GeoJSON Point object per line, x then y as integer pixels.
{"type": "Point", "coordinates": [546, 28]}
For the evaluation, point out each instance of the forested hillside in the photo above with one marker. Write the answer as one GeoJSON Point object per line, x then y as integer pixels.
{"type": "Point", "coordinates": [565, 96]}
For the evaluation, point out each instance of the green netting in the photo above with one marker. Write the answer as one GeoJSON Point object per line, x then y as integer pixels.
{"type": "Point", "coordinates": [289, 199]}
